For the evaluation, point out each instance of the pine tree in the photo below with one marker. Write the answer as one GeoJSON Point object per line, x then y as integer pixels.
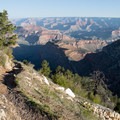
{"type": "Point", "coordinates": [7, 36]}
{"type": "Point", "coordinates": [60, 70]}
{"type": "Point", "coordinates": [45, 68]}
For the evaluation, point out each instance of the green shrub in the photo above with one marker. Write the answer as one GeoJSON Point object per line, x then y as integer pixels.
{"type": "Point", "coordinates": [95, 98]}
{"type": "Point", "coordinates": [25, 62]}
{"type": "Point", "coordinates": [45, 70]}
{"type": "Point", "coordinates": [60, 80]}
{"type": "Point", "coordinates": [117, 107]}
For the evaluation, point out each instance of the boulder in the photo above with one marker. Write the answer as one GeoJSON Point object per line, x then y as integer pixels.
{"type": "Point", "coordinates": [69, 92]}
{"type": "Point", "coordinates": [45, 80]}
{"type": "Point", "coordinates": [2, 115]}
{"type": "Point", "coordinates": [60, 88]}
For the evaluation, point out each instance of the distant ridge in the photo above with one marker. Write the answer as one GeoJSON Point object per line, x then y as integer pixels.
{"type": "Point", "coordinates": [78, 27]}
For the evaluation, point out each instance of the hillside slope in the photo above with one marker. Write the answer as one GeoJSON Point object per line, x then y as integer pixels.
{"type": "Point", "coordinates": [31, 96]}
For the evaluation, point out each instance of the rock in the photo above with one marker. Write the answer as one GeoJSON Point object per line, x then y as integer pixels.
{"type": "Point", "coordinates": [28, 78]}
{"type": "Point", "coordinates": [102, 112]}
{"type": "Point", "coordinates": [107, 117]}
{"type": "Point", "coordinates": [45, 80]}
{"type": "Point", "coordinates": [112, 114]}
{"type": "Point", "coordinates": [2, 114]}
{"type": "Point", "coordinates": [106, 114]}
{"type": "Point", "coordinates": [8, 63]}
{"type": "Point", "coordinates": [3, 89]}
{"type": "Point", "coordinates": [69, 98]}
{"type": "Point", "coordinates": [70, 93]}
{"type": "Point", "coordinates": [60, 88]}
{"type": "Point", "coordinates": [117, 116]}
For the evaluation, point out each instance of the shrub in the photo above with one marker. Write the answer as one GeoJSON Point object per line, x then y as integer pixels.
{"type": "Point", "coordinates": [25, 62]}
{"type": "Point", "coordinates": [45, 70]}
{"type": "Point", "coordinates": [95, 98]}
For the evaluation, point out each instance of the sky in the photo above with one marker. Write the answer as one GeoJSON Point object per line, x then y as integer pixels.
{"type": "Point", "coordinates": [61, 8]}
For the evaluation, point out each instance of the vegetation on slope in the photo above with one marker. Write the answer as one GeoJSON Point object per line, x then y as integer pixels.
{"type": "Point", "coordinates": [48, 98]}
{"type": "Point", "coordinates": [92, 88]}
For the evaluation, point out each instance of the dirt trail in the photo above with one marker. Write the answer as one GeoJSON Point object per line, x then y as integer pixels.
{"type": "Point", "coordinates": [24, 107]}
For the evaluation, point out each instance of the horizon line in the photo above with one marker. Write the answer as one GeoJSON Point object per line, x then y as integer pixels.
{"type": "Point", "coordinates": [61, 17]}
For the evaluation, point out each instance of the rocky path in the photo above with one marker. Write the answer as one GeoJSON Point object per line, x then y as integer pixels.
{"type": "Point", "coordinates": [3, 88]}
{"type": "Point", "coordinates": [8, 110]}
{"type": "Point", "coordinates": [13, 104]}
{"type": "Point", "coordinates": [9, 77]}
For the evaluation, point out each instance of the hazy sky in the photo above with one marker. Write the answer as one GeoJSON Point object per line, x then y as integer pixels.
{"type": "Point", "coordinates": [61, 8]}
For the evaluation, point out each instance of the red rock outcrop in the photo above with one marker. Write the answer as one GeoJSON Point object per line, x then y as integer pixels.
{"type": "Point", "coordinates": [77, 50]}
